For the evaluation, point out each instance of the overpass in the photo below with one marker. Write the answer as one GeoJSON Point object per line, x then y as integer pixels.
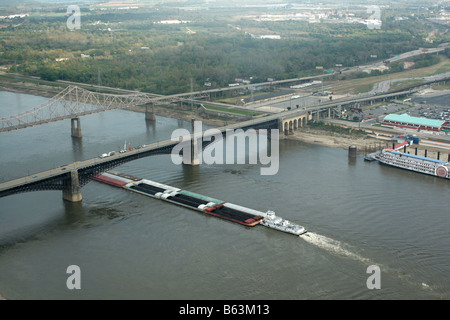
{"type": "Point", "coordinates": [294, 119]}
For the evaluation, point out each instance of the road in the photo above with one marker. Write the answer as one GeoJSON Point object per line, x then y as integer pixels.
{"type": "Point", "coordinates": [396, 58]}
{"type": "Point", "coordinates": [65, 169]}
{"type": "Point", "coordinates": [307, 100]}
{"type": "Point", "coordinates": [117, 156]}
{"type": "Point", "coordinates": [384, 86]}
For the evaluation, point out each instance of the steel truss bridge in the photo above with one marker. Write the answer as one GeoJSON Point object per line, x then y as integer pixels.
{"type": "Point", "coordinates": [74, 102]}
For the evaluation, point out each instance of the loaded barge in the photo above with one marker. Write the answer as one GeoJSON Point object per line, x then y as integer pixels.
{"type": "Point", "coordinates": [207, 205]}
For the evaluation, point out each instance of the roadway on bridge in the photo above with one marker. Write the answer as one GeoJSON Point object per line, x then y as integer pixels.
{"type": "Point", "coordinates": [117, 156]}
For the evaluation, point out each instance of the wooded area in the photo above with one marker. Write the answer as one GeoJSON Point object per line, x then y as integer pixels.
{"type": "Point", "coordinates": [132, 50]}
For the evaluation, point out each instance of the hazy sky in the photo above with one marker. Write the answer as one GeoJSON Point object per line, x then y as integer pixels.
{"type": "Point", "coordinates": [221, 2]}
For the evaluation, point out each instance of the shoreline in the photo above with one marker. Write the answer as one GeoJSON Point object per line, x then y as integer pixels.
{"type": "Point", "coordinates": [29, 88]}
{"type": "Point", "coordinates": [363, 144]}
{"type": "Point", "coordinates": [336, 140]}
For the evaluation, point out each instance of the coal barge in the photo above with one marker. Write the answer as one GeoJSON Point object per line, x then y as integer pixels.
{"type": "Point", "coordinates": [207, 205]}
{"type": "Point", "coordinates": [191, 200]}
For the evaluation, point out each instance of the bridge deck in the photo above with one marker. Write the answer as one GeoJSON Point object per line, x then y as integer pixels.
{"type": "Point", "coordinates": [64, 171]}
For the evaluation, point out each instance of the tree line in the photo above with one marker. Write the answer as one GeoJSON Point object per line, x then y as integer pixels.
{"type": "Point", "coordinates": [140, 54]}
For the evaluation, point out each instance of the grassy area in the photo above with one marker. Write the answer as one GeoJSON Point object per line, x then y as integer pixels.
{"type": "Point", "coordinates": [443, 67]}
{"type": "Point", "coordinates": [237, 99]}
{"type": "Point", "coordinates": [363, 88]}
{"type": "Point", "coordinates": [229, 110]}
{"type": "Point", "coordinates": [404, 84]}
{"type": "Point", "coordinates": [336, 129]}
{"type": "Point", "coordinates": [366, 84]}
{"type": "Point", "coordinates": [442, 86]}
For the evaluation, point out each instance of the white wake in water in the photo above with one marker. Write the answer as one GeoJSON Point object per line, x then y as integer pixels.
{"type": "Point", "coordinates": [345, 250]}
{"type": "Point", "coordinates": [333, 246]}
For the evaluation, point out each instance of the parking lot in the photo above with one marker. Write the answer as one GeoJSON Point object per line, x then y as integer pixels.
{"type": "Point", "coordinates": [431, 107]}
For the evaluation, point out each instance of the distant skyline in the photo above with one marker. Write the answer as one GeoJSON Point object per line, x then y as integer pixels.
{"type": "Point", "coordinates": [193, 2]}
{"type": "Point", "coordinates": [21, 6]}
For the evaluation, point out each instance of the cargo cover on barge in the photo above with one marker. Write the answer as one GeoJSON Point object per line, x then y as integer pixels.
{"type": "Point", "coordinates": [207, 205]}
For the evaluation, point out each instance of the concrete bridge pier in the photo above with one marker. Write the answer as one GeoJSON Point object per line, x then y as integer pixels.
{"type": "Point", "coordinates": [194, 153]}
{"type": "Point", "coordinates": [76, 128]}
{"type": "Point", "coordinates": [316, 116]}
{"type": "Point", "coordinates": [72, 188]}
{"type": "Point", "coordinates": [149, 115]}
{"type": "Point", "coordinates": [194, 146]}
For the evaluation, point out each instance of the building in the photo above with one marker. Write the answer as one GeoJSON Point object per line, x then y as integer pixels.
{"type": "Point", "coordinates": [415, 123]}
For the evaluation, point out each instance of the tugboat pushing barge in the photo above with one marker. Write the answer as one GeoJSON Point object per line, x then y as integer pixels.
{"type": "Point", "coordinates": [272, 221]}
{"type": "Point", "coordinates": [211, 206]}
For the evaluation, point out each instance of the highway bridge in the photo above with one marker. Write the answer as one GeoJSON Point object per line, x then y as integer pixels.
{"type": "Point", "coordinates": [70, 178]}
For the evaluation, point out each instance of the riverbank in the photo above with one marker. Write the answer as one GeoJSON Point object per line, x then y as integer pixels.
{"type": "Point", "coordinates": [363, 143]}
{"type": "Point", "coordinates": [337, 140]}
{"type": "Point", "coordinates": [31, 89]}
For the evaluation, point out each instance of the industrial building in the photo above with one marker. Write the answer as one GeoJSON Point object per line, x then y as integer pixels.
{"type": "Point", "coordinates": [415, 123]}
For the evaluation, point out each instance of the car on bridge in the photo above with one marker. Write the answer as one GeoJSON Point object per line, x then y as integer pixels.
{"type": "Point", "coordinates": [105, 155]}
